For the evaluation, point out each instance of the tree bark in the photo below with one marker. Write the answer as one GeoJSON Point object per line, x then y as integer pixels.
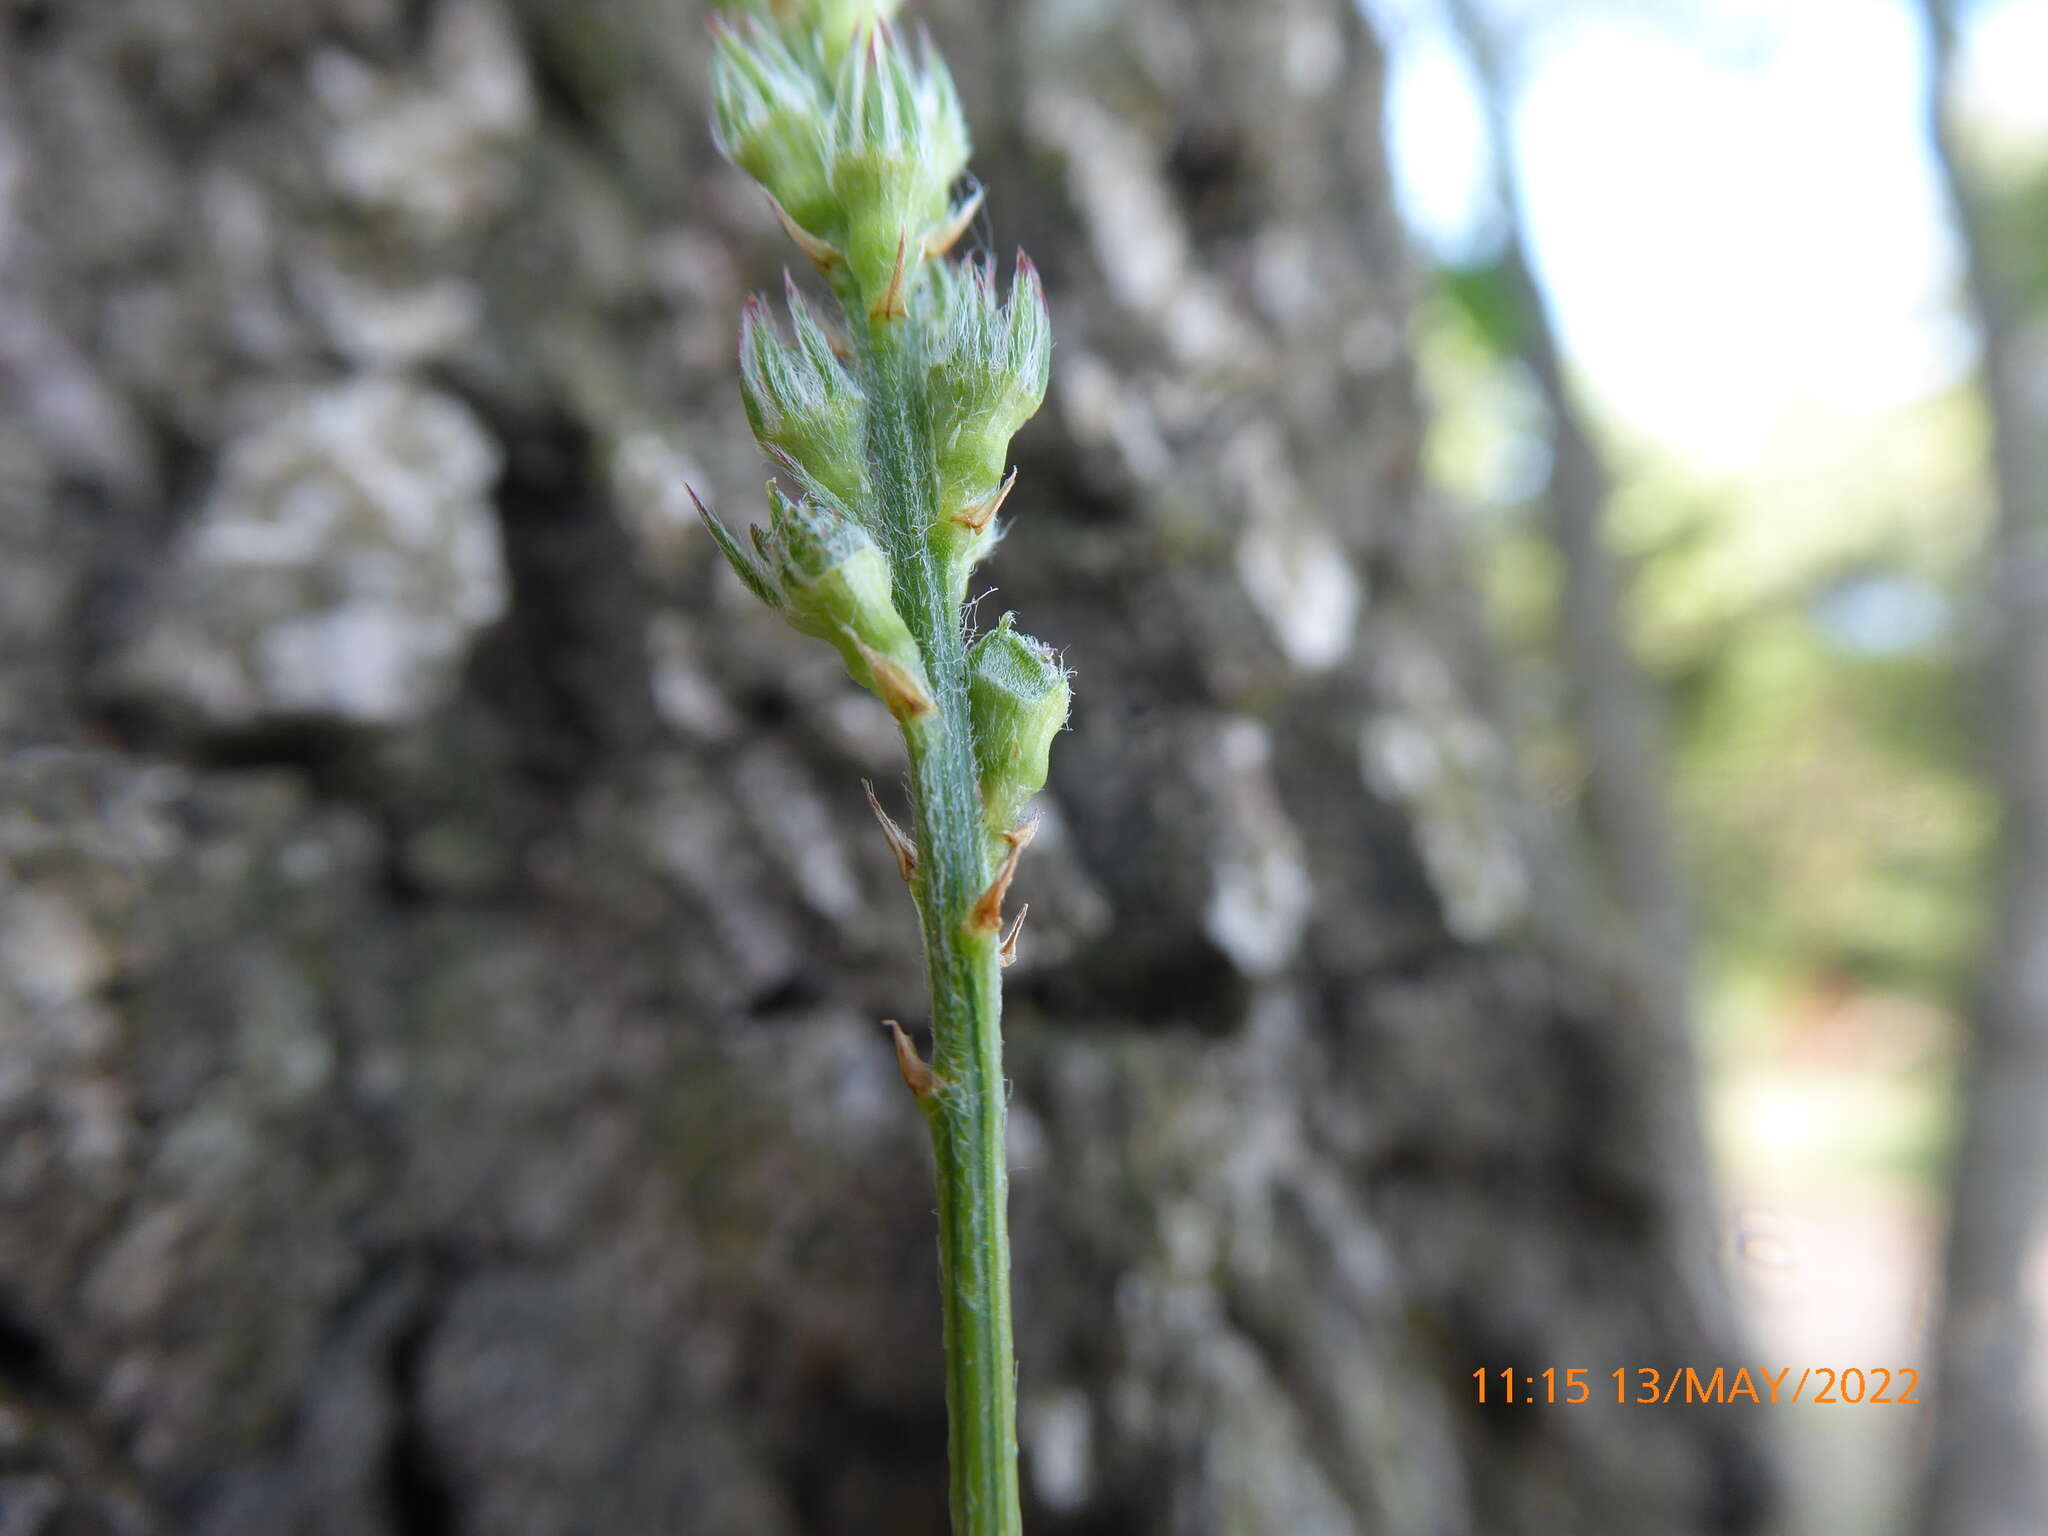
{"type": "Point", "coordinates": [1984, 1473]}
{"type": "Point", "coordinates": [443, 936]}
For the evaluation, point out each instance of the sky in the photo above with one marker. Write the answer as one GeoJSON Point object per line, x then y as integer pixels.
{"type": "Point", "coordinates": [1730, 202]}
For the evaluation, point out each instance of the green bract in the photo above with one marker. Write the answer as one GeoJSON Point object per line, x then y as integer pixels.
{"type": "Point", "coordinates": [988, 363]}
{"type": "Point", "coordinates": [804, 407]}
{"type": "Point", "coordinates": [826, 576]}
{"type": "Point", "coordinates": [1017, 698]}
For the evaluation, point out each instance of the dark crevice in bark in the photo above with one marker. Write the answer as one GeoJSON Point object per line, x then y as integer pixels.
{"type": "Point", "coordinates": [127, 538]}
{"type": "Point", "coordinates": [1113, 1517]}
{"type": "Point", "coordinates": [1187, 984]}
{"type": "Point", "coordinates": [1206, 165]}
{"type": "Point", "coordinates": [887, 1467]}
{"type": "Point", "coordinates": [565, 93]}
{"type": "Point", "coordinates": [415, 21]}
{"type": "Point", "coordinates": [321, 749]}
{"type": "Point", "coordinates": [770, 709]}
{"type": "Point", "coordinates": [791, 994]}
{"type": "Point", "coordinates": [27, 1360]}
{"type": "Point", "coordinates": [1740, 1487]}
{"type": "Point", "coordinates": [34, 23]}
{"type": "Point", "coordinates": [566, 671]}
{"type": "Point", "coordinates": [418, 1488]}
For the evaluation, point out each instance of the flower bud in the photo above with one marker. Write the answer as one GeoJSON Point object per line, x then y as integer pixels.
{"type": "Point", "coordinates": [988, 370]}
{"type": "Point", "coordinates": [859, 144]}
{"type": "Point", "coordinates": [839, 23]}
{"type": "Point", "coordinates": [803, 405]}
{"type": "Point", "coordinates": [822, 572]}
{"type": "Point", "coordinates": [1017, 699]}
{"type": "Point", "coordinates": [898, 143]}
{"type": "Point", "coordinates": [768, 112]}
{"type": "Point", "coordinates": [835, 584]}
{"type": "Point", "coordinates": [834, 23]}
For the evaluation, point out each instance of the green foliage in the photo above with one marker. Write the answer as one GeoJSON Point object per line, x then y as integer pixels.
{"type": "Point", "coordinates": [1830, 800]}
{"type": "Point", "coordinates": [1483, 294]}
{"type": "Point", "coordinates": [2019, 234]}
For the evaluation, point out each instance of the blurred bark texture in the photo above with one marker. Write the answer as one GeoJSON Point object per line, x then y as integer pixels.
{"type": "Point", "coordinates": [440, 1088]}
{"type": "Point", "coordinates": [1985, 1474]}
{"type": "Point", "coordinates": [1613, 711]}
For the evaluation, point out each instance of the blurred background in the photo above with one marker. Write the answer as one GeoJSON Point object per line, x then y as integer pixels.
{"type": "Point", "coordinates": [1768, 280]}
{"type": "Point", "coordinates": [1546, 504]}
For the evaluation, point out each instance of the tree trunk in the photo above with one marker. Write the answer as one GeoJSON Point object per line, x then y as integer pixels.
{"type": "Point", "coordinates": [1613, 713]}
{"type": "Point", "coordinates": [1984, 1473]}
{"type": "Point", "coordinates": [440, 1086]}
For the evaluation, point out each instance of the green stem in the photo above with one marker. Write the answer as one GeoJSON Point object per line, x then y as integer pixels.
{"type": "Point", "coordinates": [967, 1110]}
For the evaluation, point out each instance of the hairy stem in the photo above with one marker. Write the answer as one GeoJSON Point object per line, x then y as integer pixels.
{"type": "Point", "coordinates": [966, 1111]}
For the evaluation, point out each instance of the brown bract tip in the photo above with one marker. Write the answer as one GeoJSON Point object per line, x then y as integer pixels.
{"type": "Point", "coordinates": [918, 1077]}
{"type": "Point", "coordinates": [890, 305]}
{"type": "Point", "coordinates": [977, 515]}
{"type": "Point", "coordinates": [898, 840]}
{"type": "Point", "coordinates": [900, 689]}
{"type": "Point", "coordinates": [941, 238]}
{"type": "Point", "coordinates": [823, 254]}
{"type": "Point", "coordinates": [1008, 950]}
{"type": "Point", "coordinates": [987, 914]}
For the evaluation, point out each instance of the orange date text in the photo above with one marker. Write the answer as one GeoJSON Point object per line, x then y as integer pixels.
{"type": "Point", "coordinates": [1876, 1386]}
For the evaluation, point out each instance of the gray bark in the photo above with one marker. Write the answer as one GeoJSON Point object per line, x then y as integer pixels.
{"type": "Point", "coordinates": [1984, 1475]}
{"type": "Point", "coordinates": [442, 937]}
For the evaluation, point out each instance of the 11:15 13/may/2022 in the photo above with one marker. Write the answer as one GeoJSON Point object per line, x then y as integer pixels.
{"type": "Point", "coordinates": [1879, 1387]}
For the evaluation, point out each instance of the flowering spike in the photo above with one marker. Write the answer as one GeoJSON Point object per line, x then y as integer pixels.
{"type": "Point", "coordinates": [891, 446]}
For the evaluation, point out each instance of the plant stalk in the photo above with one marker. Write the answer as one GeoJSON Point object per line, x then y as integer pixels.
{"type": "Point", "coordinates": [967, 1109]}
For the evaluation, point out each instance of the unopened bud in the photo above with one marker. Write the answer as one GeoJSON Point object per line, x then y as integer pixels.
{"type": "Point", "coordinates": [801, 401]}
{"type": "Point", "coordinates": [898, 144]}
{"type": "Point", "coordinates": [1017, 698]}
{"type": "Point", "coordinates": [835, 584]}
{"type": "Point", "coordinates": [988, 372]}
{"type": "Point", "coordinates": [768, 110]}
{"type": "Point", "coordinates": [858, 143]}
{"type": "Point", "coordinates": [827, 577]}
{"type": "Point", "coordinates": [835, 23]}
